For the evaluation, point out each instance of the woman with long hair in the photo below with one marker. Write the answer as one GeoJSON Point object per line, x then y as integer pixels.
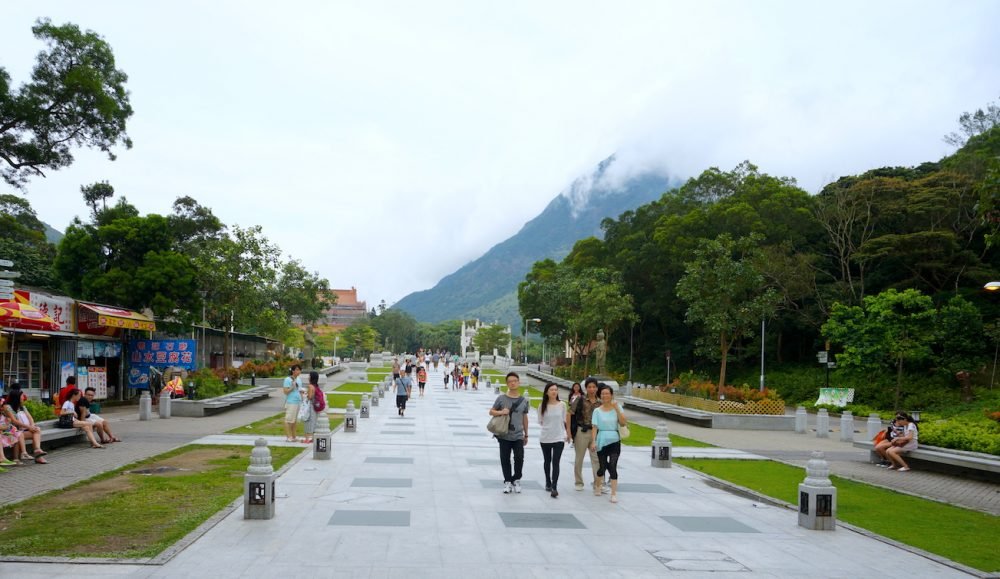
{"type": "Point", "coordinates": [607, 418]}
{"type": "Point", "coordinates": [68, 419]}
{"type": "Point", "coordinates": [555, 434]}
{"type": "Point", "coordinates": [904, 442]}
{"type": "Point", "coordinates": [17, 414]}
{"type": "Point", "coordinates": [309, 424]}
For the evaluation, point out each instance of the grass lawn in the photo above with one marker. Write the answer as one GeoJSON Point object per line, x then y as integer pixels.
{"type": "Point", "coordinates": [363, 388]}
{"type": "Point", "coordinates": [643, 436]}
{"type": "Point", "coordinates": [121, 514]}
{"type": "Point", "coordinates": [962, 535]}
{"type": "Point", "coordinates": [377, 376]}
{"type": "Point", "coordinates": [275, 426]}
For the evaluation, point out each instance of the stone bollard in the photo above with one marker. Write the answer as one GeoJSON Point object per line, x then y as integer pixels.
{"type": "Point", "coordinates": [381, 390]}
{"type": "Point", "coordinates": [846, 427]}
{"type": "Point", "coordinates": [874, 425]}
{"type": "Point", "coordinates": [374, 396]}
{"type": "Point", "coordinates": [817, 496]}
{"type": "Point", "coordinates": [822, 423]}
{"type": "Point", "coordinates": [322, 438]}
{"type": "Point", "coordinates": [350, 418]}
{"type": "Point", "coordinates": [145, 406]}
{"type": "Point", "coordinates": [366, 406]}
{"type": "Point", "coordinates": [165, 404]}
{"type": "Point", "coordinates": [662, 447]}
{"type": "Point", "coordinates": [801, 420]}
{"type": "Point", "coordinates": [258, 483]}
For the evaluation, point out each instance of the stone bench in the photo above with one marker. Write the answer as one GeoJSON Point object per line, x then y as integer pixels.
{"type": "Point", "coordinates": [962, 462]}
{"type": "Point", "coordinates": [678, 413]}
{"type": "Point", "coordinates": [210, 406]}
{"type": "Point", "coordinates": [54, 436]}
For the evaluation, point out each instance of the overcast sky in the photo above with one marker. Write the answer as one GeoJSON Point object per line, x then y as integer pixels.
{"type": "Point", "coordinates": [386, 144]}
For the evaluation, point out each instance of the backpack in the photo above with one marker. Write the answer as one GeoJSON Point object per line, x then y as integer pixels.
{"type": "Point", "coordinates": [319, 399]}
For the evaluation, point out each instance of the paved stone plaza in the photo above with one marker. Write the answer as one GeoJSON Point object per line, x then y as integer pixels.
{"type": "Point", "coordinates": [420, 496]}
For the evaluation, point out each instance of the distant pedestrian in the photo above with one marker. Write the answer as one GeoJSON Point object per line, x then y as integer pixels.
{"type": "Point", "coordinates": [555, 433]}
{"type": "Point", "coordinates": [421, 379]}
{"type": "Point", "coordinates": [517, 407]}
{"type": "Point", "coordinates": [293, 399]}
{"type": "Point", "coordinates": [404, 385]}
{"type": "Point", "coordinates": [446, 375]}
{"type": "Point", "coordinates": [607, 419]}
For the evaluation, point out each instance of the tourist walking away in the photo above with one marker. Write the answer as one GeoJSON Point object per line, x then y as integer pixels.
{"type": "Point", "coordinates": [516, 406]}
{"type": "Point", "coordinates": [475, 375]}
{"type": "Point", "coordinates": [293, 399]}
{"type": "Point", "coordinates": [581, 412]}
{"type": "Point", "coordinates": [552, 417]}
{"type": "Point", "coordinates": [905, 442]}
{"type": "Point", "coordinates": [404, 385]}
{"type": "Point", "coordinates": [421, 379]}
{"type": "Point", "coordinates": [395, 368]}
{"type": "Point", "coordinates": [606, 420]}
{"type": "Point", "coordinates": [309, 424]}
{"type": "Point", "coordinates": [446, 374]}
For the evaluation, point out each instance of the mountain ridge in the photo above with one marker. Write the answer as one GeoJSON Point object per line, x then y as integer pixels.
{"type": "Point", "coordinates": [486, 287]}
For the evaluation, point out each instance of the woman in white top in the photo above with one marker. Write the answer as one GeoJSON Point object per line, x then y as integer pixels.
{"type": "Point", "coordinates": [905, 442]}
{"type": "Point", "coordinates": [68, 419]}
{"type": "Point", "coordinates": [555, 433]}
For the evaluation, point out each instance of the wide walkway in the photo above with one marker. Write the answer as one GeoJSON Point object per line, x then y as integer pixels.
{"type": "Point", "coordinates": [421, 496]}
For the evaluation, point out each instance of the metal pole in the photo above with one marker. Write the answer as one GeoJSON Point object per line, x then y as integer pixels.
{"type": "Point", "coordinates": [994, 375]}
{"type": "Point", "coordinates": [631, 339]}
{"type": "Point", "coordinates": [762, 354]}
{"type": "Point", "coordinates": [524, 342]}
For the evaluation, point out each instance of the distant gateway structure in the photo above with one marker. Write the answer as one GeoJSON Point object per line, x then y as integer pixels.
{"type": "Point", "coordinates": [469, 330]}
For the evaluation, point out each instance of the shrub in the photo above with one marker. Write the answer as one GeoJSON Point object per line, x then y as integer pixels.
{"type": "Point", "coordinates": [39, 410]}
{"type": "Point", "coordinates": [976, 436]}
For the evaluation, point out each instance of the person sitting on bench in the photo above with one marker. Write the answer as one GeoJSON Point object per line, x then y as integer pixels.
{"type": "Point", "coordinates": [18, 415]}
{"type": "Point", "coordinates": [175, 387]}
{"type": "Point", "coordinates": [905, 442]}
{"type": "Point", "coordinates": [101, 426]}
{"type": "Point", "coordinates": [68, 419]}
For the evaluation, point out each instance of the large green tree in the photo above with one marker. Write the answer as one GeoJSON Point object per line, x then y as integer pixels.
{"type": "Point", "coordinates": [493, 336]}
{"type": "Point", "coordinates": [76, 98]}
{"type": "Point", "coordinates": [22, 240]}
{"type": "Point", "coordinates": [726, 294]}
{"type": "Point", "coordinates": [889, 330]}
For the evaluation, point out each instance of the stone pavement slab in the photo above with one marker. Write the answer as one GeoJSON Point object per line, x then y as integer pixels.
{"type": "Point", "coordinates": [447, 523]}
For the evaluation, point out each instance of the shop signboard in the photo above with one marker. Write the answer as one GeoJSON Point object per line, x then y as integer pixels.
{"type": "Point", "coordinates": [177, 353]}
{"type": "Point", "coordinates": [58, 308]}
{"type": "Point", "coordinates": [98, 380]}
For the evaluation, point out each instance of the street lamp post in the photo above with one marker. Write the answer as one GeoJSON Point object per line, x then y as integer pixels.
{"type": "Point", "coordinates": [204, 346]}
{"type": "Point", "coordinates": [994, 287]}
{"type": "Point", "coordinates": [524, 339]}
{"type": "Point", "coordinates": [335, 340]}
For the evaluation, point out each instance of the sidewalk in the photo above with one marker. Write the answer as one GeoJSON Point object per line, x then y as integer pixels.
{"type": "Point", "coordinates": [420, 496]}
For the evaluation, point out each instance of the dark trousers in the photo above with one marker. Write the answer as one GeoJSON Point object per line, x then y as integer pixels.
{"type": "Point", "coordinates": [551, 453]}
{"type": "Point", "coordinates": [506, 446]}
{"type": "Point", "coordinates": [608, 456]}
{"type": "Point", "coordinates": [401, 401]}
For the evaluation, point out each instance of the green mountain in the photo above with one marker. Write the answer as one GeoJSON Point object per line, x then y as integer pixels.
{"type": "Point", "coordinates": [486, 288]}
{"type": "Point", "coordinates": [51, 234]}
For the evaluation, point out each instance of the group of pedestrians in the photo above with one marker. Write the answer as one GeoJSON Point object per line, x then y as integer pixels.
{"type": "Point", "coordinates": [303, 404]}
{"type": "Point", "coordinates": [591, 423]}
{"type": "Point", "coordinates": [900, 437]}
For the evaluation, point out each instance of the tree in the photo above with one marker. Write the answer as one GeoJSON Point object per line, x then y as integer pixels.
{"type": "Point", "coordinates": [974, 123]}
{"type": "Point", "coordinates": [360, 338]}
{"type": "Point", "coordinates": [76, 98]}
{"type": "Point", "coordinates": [22, 240]}
{"type": "Point", "coordinates": [398, 329]}
{"type": "Point", "coordinates": [300, 293]}
{"type": "Point", "coordinates": [492, 337]}
{"type": "Point", "coordinates": [726, 294]}
{"type": "Point", "coordinates": [238, 272]}
{"type": "Point", "coordinates": [95, 192]}
{"type": "Point", "coordinates": [959, 342]}
{"type": "Point", "coordinates": [193, 224]}
{"type": "Point", "coordinates": [889, 329]}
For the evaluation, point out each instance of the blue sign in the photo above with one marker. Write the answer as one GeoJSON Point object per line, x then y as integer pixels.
{"type": "Point", "coordinates": [138, 378]}
{"type": "Point", "coordinates": [178, 353]}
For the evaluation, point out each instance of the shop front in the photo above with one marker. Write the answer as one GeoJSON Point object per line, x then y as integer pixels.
{"type": "Point", "coordinates": [102, 334]}
{"type": "Point", "coordinates": [37, 336]}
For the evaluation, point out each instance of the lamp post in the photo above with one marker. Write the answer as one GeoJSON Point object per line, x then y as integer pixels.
{"type": "Point", "coordinates": [994, 287]}
{"type": "Point", "coordinates": [524, 340]}
{"type": "Point", "coordinates": [204, 346]}
{"type": "Point", "coordinates": [335, 340]}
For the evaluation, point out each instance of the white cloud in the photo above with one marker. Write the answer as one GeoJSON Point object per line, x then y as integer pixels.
{"type": "Point", "coordinates": [386, 144]}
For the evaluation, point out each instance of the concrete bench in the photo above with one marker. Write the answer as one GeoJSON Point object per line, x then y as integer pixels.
{"type": "Point", "coordinates": [54, 436]}
{"type": "Point", "coordinates": [962, 462]}
{"type": "Point", "coordinates": [211, 406]}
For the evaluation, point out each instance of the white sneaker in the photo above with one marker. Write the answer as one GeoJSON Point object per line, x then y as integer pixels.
{"type": "Point", "coordinates": [517, 486]}
{"type": "Point", "coordinates": [507, 488]}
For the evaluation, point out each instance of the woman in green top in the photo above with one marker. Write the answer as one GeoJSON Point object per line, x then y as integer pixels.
{"type": "Point", "coordinates": [605, 439]}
